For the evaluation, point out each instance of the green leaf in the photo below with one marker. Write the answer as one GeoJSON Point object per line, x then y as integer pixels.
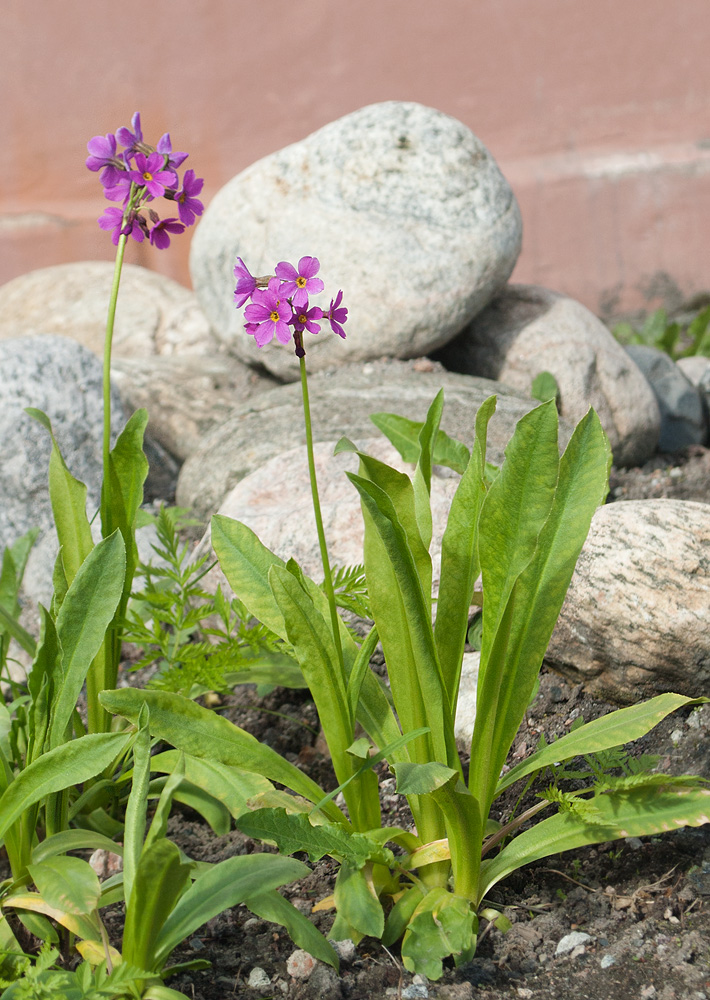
{"type": "Point", "coordinates": [459, 558]}
{"type": "Point", "coordinates": [404, 435]}
{"type": "Point", "coordinates": [67, 884]}
{"type": "Point", "coordinates": [532, 531]}
{"type": "Point", "coordinates": [57, 769]}
{"type": "Point", "coordinates": [231, 786]}
{"type": "Point", "coordinates": [442, 925]}
{"type": "Point", "coordinates": [224, 885]}
{"type": "Point", "coordinates": [633, 812]}
{"type": "Point", "coordinates": [137, 805]}
{"type": "Point", "coordinates": [611, 730]}
{"type": "Point", "coordinates": [211, 809]}
{"type": "Point", "coordinates": [293, 832]}
{"type": "Point", "coordinates": [356, 901]}
{"type": "Point", "coordinates": [544, 387]}
{"type": "Point", "coordinates": [85, 614]}
{"type": "Point", "coordinates": [159, 883]}
{"type": "Point", "coordinates": [273, 907]}
{"type": "Point", "coordinates": [68, 497]}
{"type": "Point", "coordinates": [74, 840]}
{"type": "Point", "coordinates": [13, 628]}
{"type": "Point", "coordinates": [205, 735]}
{"type": "Point", "coordinates": [422, 779]}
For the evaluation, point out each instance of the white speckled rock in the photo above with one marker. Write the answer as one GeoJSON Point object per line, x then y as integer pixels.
{"type": "Point", "coordinates": [154, 315]}
{"type": "Point", "coordinates": [466, 705]}
{"type": "Point", "coordinates": [404, 207]}
{"type": "Point", "coordinates": [635, 621]}
{"type": "Point", "coordinates": [527, 329]}
{"type": "Point", "coordinates": [64, 380]}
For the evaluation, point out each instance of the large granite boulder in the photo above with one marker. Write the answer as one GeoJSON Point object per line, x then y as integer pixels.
{"type": "Point", "coordinates": [526, 330]}
{"type": "Point", "coordinates": [154, 314]}
{"type": "Point", "coordinates": [635, 621]}
{"type": "Point", "coordinates": [407, 212]}
{"type": "Point", "coordinates": [341, 403]}
{"type": "Point", "coordinates": [64, 380]}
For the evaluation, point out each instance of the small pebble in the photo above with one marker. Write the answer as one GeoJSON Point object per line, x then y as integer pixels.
{"type": "Point", "coordinates": [258, 979]}
{"type": "Point", "coordinates": [676, 736]}
{"type": "Point", "coordinates": [196, 944]}
{"type": "Point", "coordinates": [647, 992]}
{"type": "Point", "coordinates": [345, 950]}
{"type": "Point", "coordinates": [570, 941]}
{"type": "Point", "coordinates": [635, 843]}
{"type": "Point", "coordinates": [251, 923]}
{"type": "Point", "coordinates": [300, 964]}
{"type": "Point", "coordinates": [607, 960]}
{"type": "Point", "coordinates": [417, 991]}
{"type": "Point", "coordinates": [524, 992]}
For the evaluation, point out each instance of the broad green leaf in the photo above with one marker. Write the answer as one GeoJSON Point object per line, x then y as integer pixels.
{"type": "Point", "coordinates": [274, 669]}
{"type": "Point", "coordinates": [226, 884]}
{"type": "Point", "coordinates": [544, 387]}
{"type": "Point", "coordinates": [310, 635]}
{"type": "Point", "coordinates": [159, 823]}
{"type": "Point", "coordinates": [402, 612]}
{"type": "Point", "coordinates": [293, 832]}
{"type": "Point", "coordinates": [357, 902]}
{"type": "Point", "coordinates": [74, 840]}
{"type": "Point", "coordinates": [459, 559]}
{"type": "Point", "coordinates": [422, 474]}
{"type": "Point", "coordinates": [614, 729]}
{"type": "Point", "coordinates": [13, 628]}
{"type": "Point", "coordinates": [44, 677]}
{"type": "Point", "coordinates": [272, 906]}
{"type": "Point", "coordinates": [211, 809]}
{"type": "Point", "coordinates": [521, 617]}
{"type": "Point", "coordinates": [203, 734]}
{"type": "Point", "coordinates": [68, 497]}
{"type": "Point", "coordinates": [83, 618]}
{"type": "Point", "coordinates": [83, 925]}
{"type": "Point", "coordinates": [62, 767]}
{"type": "Point", "coordinates": [404, 435]}
{"type": "Point", "coordinates": [633, 812]}
{"type": "Point", "coordinates": [400, 915]}
{"type": "Point", "coordinates": [246, 562]}
{"type": "Point", "coordinates": [67, 884]}
{"type": "Point", "coordinates": [160, 880]}
{"type": "Point", "coordinates": [442, 925]}
{"type": "Point", "coordinates": [422, 779]}
{"type": "Point", "coordinates": [231, 786]}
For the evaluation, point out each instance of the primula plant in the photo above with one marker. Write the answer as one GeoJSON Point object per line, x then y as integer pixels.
{"type": "Point", "coordinates": [521, 532]}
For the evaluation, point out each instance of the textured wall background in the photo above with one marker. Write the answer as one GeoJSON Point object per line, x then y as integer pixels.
{"type": "Point", "coordinates": [596, 110]}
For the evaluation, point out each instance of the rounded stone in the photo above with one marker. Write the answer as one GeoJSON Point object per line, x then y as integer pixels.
{"type": "Point", "coordinates": [407, 212]}
{"type": "Point", "coordinates": [154, 315]}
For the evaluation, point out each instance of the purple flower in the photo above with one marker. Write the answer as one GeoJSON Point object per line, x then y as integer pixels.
{"type": "Point", "coordinates": [120, 191]}
{"type": "Point", "coordinates": [133, 141]}
{"type": "Point", "coordinates": [189, 206]}
{"type": "Point", "coordinates": [159, 233]}
{"type": "Point", "coordinates": [112, 218]}
{"type": "Point", "coordinates": [166, 148]}
{"type": "Point", "coordinates": [246, 284]}
{"type": "Point", "coordinates": [103, 157]}
{"type": "Point", "coordinates": [304, 318]}
{"type": "Point", "coordinates": [149, 173]}
{"type": "Point", "coordinates": [270, 313]}
{"type": "Point", "coordinates": [299, 284]}
{"type": "Point", "coordinates": [337, 315]}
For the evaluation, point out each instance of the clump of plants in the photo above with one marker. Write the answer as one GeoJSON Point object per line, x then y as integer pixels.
{"type": "Point", "coordinates": [72, 781]}
{"type": "Point", "coordinates": [677, 339]}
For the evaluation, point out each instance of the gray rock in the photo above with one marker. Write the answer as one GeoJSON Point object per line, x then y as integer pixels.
{"type": "Point", "coordinates": [64, 380]}
{"type": "Point", "coordinates": [154, 315]}
{"type": "Point", "coordinates": [571, 941]}
{"type": "Point", "coordinates": [679, 402]}
{"type": "Point", "coordinates": [407, 212]}
{"type": "Point", "coordinates": [341, 403]}
{"type": "Point", "coordinates": [527, 329]}
{"type": "Point", "coordinates": [186, 396]}
{"type": "Point", "coordinates": [635, 620]}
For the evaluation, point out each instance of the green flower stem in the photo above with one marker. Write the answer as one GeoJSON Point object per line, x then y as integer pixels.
{"type": "Point", "coordinates": [327, 576]}
{"type": "Point", "coordinates": [107, 360]}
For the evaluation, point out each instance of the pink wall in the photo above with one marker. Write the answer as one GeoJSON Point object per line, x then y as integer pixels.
{"type": "Point", "coordinates": [596, 110]}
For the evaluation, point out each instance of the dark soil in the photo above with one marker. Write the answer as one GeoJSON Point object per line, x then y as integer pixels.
{"type": "Point", "coordinates": [644, 903]}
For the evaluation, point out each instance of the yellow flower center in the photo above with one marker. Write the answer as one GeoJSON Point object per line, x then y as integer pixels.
{"type": "Point", "coordinates": [301, 281]}
{"type": "Point", "coordinates": [303, 319]}
{"type": "Point", "coordinates": [274, 317]}
{"type": "Point", "coordinates": [147, 176]}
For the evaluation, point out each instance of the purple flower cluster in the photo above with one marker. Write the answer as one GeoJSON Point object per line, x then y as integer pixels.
{"type": "Point", "coordinates": [280, 303]}
{"type": "Point", "coordinates": [136, 175]}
